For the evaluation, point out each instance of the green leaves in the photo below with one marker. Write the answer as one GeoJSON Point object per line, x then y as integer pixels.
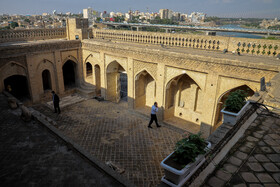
{"type": "Point", "coordinates": [187, 149]}
{"type": "Point", "coordinates": [235, 101]}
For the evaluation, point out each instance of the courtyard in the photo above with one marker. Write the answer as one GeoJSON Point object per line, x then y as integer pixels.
{"type": "Point", "coordinates": [112, 133]}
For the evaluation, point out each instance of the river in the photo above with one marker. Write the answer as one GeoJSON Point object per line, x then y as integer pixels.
{"type": "Point", "coordinates": [237, 34]}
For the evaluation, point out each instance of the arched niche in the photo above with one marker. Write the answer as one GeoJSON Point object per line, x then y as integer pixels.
{"type": "Point", "coordinates": [218, 115]}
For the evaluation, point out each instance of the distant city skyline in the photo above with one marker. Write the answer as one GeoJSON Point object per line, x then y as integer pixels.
{"type": "Point", "coordinates": [219, 8]}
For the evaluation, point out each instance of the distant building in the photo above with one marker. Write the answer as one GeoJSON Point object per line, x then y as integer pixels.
{"type": "Point", "coordinates": [196, 17]}
{"type": "Point", "coordinates": [165, 14]}
{"type": "Point", "coordinates": [90, 14]}
{"type": "Point", "coordinates": [269, 23]}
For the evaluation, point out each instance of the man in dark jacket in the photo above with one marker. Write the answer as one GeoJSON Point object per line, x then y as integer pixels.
{"type": "Point", "coordinates": [56, 102]}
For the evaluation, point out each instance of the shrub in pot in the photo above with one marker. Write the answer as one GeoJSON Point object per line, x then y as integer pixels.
{"type": "Point", "coordinates": [185, 160]}
{"type": "Point", "coordinates": [235, 101]}
{"type": "Point", "coordinates": [235, 106]}
{"type": "Point", "coordinates": [187, 149]}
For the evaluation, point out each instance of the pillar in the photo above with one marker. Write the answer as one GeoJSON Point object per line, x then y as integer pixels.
{"type": "Point", "coordinates": [58, 72]}
{"type": "Point", "coordinates": [130, 84]}
{"type": "Point", "coordinates": [160, 90]}
{"type": "Point", "coordinates": [103, 76]}
{"type": "Point", "coordinates": [209, 103]}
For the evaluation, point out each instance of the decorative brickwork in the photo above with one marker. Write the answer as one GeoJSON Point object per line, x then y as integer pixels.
{"type": "Point", "coordinates": [31, 34]}
{"type": "Point", "coordinates": [242, 45]}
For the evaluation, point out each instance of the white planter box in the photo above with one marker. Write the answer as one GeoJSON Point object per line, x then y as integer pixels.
{"type": "Point", "coordinates": [232, 118]}
{"type": "Point", "coordinates": [176, 178]}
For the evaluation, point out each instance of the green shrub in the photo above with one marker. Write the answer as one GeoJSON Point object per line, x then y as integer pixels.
{"type": "Point", "coordinates": [187, 149]}
{"type": "Point", "coordinates": [235, 101]}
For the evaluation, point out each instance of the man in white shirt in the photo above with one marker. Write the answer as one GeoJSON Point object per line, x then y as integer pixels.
{"type": "Point", "coordinates": [153, 115]}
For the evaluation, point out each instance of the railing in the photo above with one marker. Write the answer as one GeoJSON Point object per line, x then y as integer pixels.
{"type": "Point", "coordinates": [31, 34]}
{"type": "Point", "coordinates": [243, 45]}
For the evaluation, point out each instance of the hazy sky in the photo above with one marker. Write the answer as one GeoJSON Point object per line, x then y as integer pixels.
{"type": "Point", "coordinates": [221, 8]}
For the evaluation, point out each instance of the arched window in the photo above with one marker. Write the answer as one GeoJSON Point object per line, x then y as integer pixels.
{"type": "Point", "coordinates": [46, 78]}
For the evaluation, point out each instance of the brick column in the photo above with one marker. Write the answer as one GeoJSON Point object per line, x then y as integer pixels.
{"type": "Point", "coordinates": [130, 83]}
{"type": "Point", "coordinates": [58, 73]}
{"type": "Point", "coordinates": [33, 80]}
{"type": "Point", "coordinates": [209, 104]}
{"type": "Point", "coordinates": [160, 90]}
{"type": "Point", "coordinates": [103, 74]}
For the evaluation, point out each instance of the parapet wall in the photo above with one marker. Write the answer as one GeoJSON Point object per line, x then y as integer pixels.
{"type": "Point", "coordinates": [31, 34]}
{"type": "Point", "coordinates": [262, 47]}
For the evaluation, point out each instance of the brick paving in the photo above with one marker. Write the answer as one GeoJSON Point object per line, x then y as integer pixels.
{"type": "Point", "coordinates": [255, 159]}
{"type": "Point", "coordinates": [113, 133]}
{"type": "Point", "coordinates": [31, 156]}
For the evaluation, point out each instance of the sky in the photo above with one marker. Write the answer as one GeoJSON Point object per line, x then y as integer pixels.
{"type": "Point", "coordinates": [219, 8]}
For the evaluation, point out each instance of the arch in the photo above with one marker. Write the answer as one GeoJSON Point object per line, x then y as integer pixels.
{"type": "Point", "coordinates": [12, 68]}
{"type": "Point", "coordinates": [46, 80]}
{"type": "Point", "coordinates": [183, 98]}
{"type": "Point", "coordinates": [116, 82]}
{"type": "Point", "coordinates": [71, 58]}
{"type": "Point", "coordinates": [145, 89]}
{"type": "Point", "coordinates": [90, 55]}
{"type": "Point", "coordinates": [89, 73]}
{"type": "Point", "coordinates": [44, 63]}
{"type": "Point", "coordinates": [88, 69]}
{"type": "Point", "coordinates": [69, 72]}
{"type": "Point", "coordinates": [218, 115]}
{"type": "Point", "coordinates": [188, 73]}
{"type": "Point", "coordinates": [17, 85]}
{"type": "Point", "coordinates": [142, 70]}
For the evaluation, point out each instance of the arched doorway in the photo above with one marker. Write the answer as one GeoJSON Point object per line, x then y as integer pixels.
{"type": "Point", "coordinates": [183, 104]}
{"type": "Point", "coordinates": [97, 79]}
{"type": "Point", "coordinates": [219, 116]}
{"type": "Point", "coordinates": [116, 82]}
{"type": "Point", "coordinates": [89, 77]}
{"type": "Point", "coordinates": [46, 78]}
{"type": "Point", "coordinates": [17, 85]}
{"type": "Point", "coordinates": [69, 74]}
{"type": "Point", "coordinates": [145, 90]}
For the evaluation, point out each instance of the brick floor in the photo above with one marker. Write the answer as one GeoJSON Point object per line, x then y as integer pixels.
{"type": "Point", "coordinates": [113, 133]}
{"type": "Point", "coordinates": [32, 156]}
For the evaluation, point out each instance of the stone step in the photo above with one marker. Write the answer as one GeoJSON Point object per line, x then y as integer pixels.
{"type": "Point", "coordinates": [67, 101]}
{"type": "Point", "coordinates": [86, 93]}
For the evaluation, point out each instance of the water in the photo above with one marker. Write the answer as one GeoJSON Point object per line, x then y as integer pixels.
{"type": "Point", "coordinates": [237, 34]}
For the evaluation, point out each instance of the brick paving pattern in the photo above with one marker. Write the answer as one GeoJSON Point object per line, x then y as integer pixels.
{"type": "Point", "coordinates": [32, 156]}
{"type": "Point", "coordinates": [113, 133]}
{"type": "Point", "coordinates": [255, 159]}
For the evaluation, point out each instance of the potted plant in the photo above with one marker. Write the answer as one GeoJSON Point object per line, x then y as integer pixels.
{"type": "Point", "coordinates": [235, 106]}
{"type": "Point", "coordinates": [187, 157]}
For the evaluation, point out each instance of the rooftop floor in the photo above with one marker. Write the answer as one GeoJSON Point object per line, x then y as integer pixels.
{"type": "Point", "coordinates": [255, 158]}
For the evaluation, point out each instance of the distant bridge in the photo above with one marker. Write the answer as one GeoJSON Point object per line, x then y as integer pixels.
{"type": "Point", "coordinates": [202, 28]}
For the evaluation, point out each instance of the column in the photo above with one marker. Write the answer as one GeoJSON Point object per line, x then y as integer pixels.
{"type": "Point", "coordinates": [160, 90]}
{"type": "Point", "coordinates": [209, 103]}
{"type": "Point", "coordinates": [130, 83]}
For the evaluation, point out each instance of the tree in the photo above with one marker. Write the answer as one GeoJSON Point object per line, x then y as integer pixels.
{"type": "Point", "coordinates": [27, 20]}
{"type": "Point", "coordinates": [119, 19]}
{"type": "Point", "coordinates": [98, 19]}
{"type": "Point", "coordinates": [14, 25]}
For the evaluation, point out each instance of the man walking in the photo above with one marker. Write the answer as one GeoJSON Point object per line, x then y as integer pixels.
{"type": "Point", "coordinates": [56, 102]}
{"type": "Point", "coordinates": [153, 115]}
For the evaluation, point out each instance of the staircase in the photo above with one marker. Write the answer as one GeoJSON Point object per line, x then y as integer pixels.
{"type": "Point", "coordinates": [87, 90]}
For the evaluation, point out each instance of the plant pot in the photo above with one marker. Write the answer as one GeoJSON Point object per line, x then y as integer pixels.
{"type": "Point", "coordinates": [177, 177]}
{"type": "Point", "coordinates": [231, 117]}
